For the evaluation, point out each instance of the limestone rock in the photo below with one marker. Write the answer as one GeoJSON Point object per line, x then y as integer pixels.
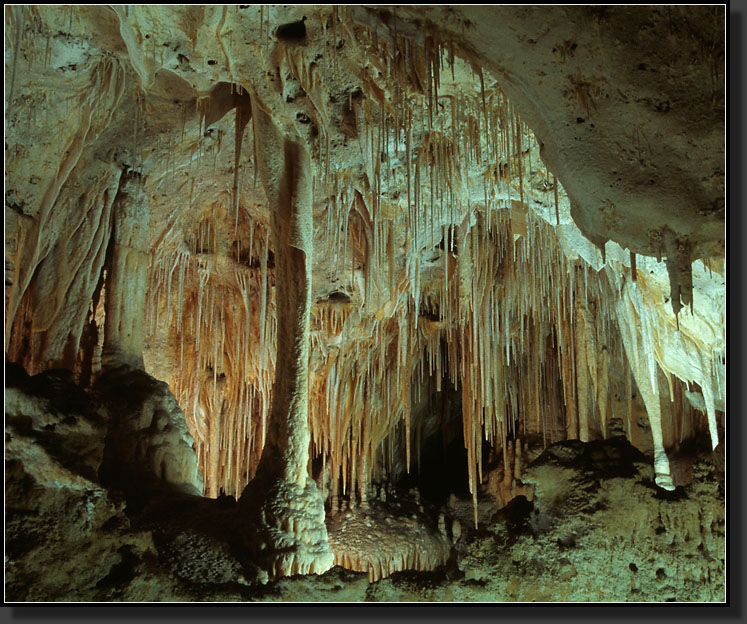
{"type": "Point", "coordinates": [147, 431]}
{"type": "Point", "coordinates": [67, 537]}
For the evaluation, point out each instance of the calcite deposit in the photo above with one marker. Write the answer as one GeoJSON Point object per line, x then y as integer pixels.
{"type": "Point", "coordinates": [388, 534]}
{"type": "Point", "coordinates": [278, 263]}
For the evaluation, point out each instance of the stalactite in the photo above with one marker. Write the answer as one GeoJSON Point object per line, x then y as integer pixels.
{"type": "Point", "coordinates": [582, 376]}
{"type": "Point", "coordinates": [555, 196]}
{"type": "Point", "coordinates": [709, 398]}
{"type": "Point", "coordinates": [263, 301]}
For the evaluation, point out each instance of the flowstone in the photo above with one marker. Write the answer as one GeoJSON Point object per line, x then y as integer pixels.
{"type": "Point", "coordinates": [385, 537]}
{"type": "Point", "coordinates": [284, 528]}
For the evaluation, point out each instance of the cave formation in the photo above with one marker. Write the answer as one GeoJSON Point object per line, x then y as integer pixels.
{"type": "Point", "coordinates": [324, 303]}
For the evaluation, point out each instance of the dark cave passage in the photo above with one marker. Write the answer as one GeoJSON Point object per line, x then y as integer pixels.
{"type": "Point", "coordinates": [443, 469]}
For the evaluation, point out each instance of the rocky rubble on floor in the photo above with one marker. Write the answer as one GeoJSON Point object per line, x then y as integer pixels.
{"type": "Point", "coordinates": [600, 530]}
{"type": "Point", "coordinates": [67, 537]}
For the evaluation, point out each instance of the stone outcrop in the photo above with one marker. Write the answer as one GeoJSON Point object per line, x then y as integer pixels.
{"type": "Point", "coordinates": [67, 537]}
{"type": "Point", "coordinates": [146, 432]}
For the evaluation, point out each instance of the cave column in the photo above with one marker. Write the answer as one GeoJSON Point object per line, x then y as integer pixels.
{"type": "Point", "coordinates": [282, 508]}
{"type": "Point", "coordinates": [288, 432]}
{"type": "Point", "coordinates": [126, 282]}
{"type": "Point", "coordinates": [147, 431]}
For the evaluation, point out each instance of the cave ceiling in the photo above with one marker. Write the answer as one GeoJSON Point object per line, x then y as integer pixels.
{"type": "Point", "coordinates": [485, 180]}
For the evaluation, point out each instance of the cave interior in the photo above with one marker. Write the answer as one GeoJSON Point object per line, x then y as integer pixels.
{"type": "Point", "coordinates": [349, 303]}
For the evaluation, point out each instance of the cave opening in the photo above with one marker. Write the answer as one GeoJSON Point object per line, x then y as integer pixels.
{"type": "Point", "coordinates": [442, 469]}
{"type": "Point", "coordinates": [439, 469]}
{"type": "Point", "coordinates": [293, 31]}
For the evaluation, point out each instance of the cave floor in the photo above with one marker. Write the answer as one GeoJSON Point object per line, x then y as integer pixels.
{"type": "Point", "coordinates": [597, 529]}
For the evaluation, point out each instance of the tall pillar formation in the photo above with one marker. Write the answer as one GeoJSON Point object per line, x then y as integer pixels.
{"type": "Point", "coordinates": [147, 428]}
{"type": "Point", "coordinates": [124, 325]}
{"type": "Point", "coordinates": [282, 507]}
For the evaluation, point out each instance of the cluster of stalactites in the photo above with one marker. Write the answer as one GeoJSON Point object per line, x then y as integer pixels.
{"type": "Point", "coordinates": [420, 147]}
{"type": "Point", "coordinates": [520, 330]}
{"type": "Point", "coordinates": [361, 386]}
{"type": "Point", "coordinates": [219, 315]}
{"type": "Point", "coordinates": [525, 334]}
